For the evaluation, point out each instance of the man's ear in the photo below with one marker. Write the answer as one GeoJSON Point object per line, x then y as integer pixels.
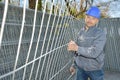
{"type": "Point", "coordinates": [97, 21]}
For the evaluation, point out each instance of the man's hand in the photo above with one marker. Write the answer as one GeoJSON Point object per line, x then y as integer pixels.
{"type": "Point", "coordinates": [72, 70]}
{"type": "Point", "coordinates": [72, 46]}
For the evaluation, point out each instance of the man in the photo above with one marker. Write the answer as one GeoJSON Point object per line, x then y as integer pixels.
{"type": "Point", "coordinates": [89, 57]}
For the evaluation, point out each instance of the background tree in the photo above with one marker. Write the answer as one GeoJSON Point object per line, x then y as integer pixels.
{"type": "Point", "coordinates": [47, 4]}
{"type": "Point", "coordinates": [104, 6]}
{"type": "Point", "coordinates": [72, 7]}
{"type": "Point", "coordinates": [40, 5]}
{"type": "Point", "coordinates": [79, 12]}
{"type": "Point", "coordinates": [8, 1]}
{"type": "Point", "coordinates": [32, 4]}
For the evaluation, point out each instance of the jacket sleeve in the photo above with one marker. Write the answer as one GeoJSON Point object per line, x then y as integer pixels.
{"type": "Point", "coordinates": [95, 49]}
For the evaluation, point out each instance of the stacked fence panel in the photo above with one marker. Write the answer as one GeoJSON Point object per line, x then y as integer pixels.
{"type": "Point", "coordinates": [112, 51]}
{"type": "Point", "coordinates": [50, 60]}
{"type": "Point", "coordinates": [49, 63]}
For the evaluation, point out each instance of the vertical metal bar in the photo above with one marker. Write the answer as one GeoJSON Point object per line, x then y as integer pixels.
{"type": "Point", "coordinates": [3, 21]}
{"type": "Point", "coordinates": [56, 43]}
{"type": "Point", "coordinates": [59, 70]}
{"type": "Point", "coordinates": [54, 35]}
{"type": "Point", "coordinates": [38, 40]}
{"type": "Point", "coordinates": [58, 51]}
{"type": "Point", "coordinates": [32, 36]}
{"type": "Point", "coordinates": [49, 63]}
{"type": "Point", "coordinates": [43, 45]}
{"type": "Point", "coordinates": [49, 41]}
{"type": "Point", "coordinates": [58, 57]}
{"type": "Point", "coordinates": [20, 38]}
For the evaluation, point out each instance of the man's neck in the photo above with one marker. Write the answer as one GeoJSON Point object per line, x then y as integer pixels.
{"type": "Point", "coordinates": [86, 28]}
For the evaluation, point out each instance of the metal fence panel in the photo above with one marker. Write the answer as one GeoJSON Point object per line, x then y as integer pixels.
{"type": "Point", "coordinates": [55, 59]}
{"type": "Point", "coordinates": [57, 62]}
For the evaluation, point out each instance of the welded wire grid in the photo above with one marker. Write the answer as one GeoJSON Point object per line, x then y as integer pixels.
{"type": "Point", "coordinates": [34, 44]}
{"type": "Point", "coordinates": [112, 50]}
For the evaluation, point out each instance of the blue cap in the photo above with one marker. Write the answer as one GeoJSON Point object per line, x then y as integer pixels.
{"type": "Point", "coordinates": [94, 11]}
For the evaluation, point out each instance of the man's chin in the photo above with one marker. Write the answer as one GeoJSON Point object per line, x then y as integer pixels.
{"type": "Point", "coordinates": [90, 25]}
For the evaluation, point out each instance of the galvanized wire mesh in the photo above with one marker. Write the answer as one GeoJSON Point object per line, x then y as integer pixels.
{"type": "Point", "coordinates": [50, 60]}
{"type": "Point", "coordinates": [112, 51]}
{"type": "Point", "coordinates": [49, 63]}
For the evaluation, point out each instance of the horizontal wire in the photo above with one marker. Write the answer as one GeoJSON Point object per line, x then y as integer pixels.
{"type": "Point", "coordinates": [70, 77]}
{"type": "Point", "coordinates": [2, 76]}
{"type": "Point", "coordinates": [60, 70]}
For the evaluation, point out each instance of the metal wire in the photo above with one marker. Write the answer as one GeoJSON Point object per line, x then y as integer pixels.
{"type": "Point", "coordinates": [32, 36]}
{"type": "Point", "coordinates": [38, 39]}
{"type": "Point", "coordinates": [46, 32]}
{"type": "Point", "coordinates": [3, 21]}
{"type": "Point", "coordinates": [31, 62]}
{"type": "Point", "coordinates": [20, 39]}
{"type": "Point", "coordinates": [33, 43]}
{"type": "Point", "coordinates": [60, 31]}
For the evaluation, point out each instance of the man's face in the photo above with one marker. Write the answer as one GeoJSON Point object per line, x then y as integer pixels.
{"type": "Point", "coordinates": [90, 21]}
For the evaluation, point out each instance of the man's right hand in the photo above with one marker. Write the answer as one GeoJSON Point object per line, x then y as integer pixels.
{"type": "Point", "coordinates": [72, 46]}
{"type": "Point", "coordinates": [72, 70]}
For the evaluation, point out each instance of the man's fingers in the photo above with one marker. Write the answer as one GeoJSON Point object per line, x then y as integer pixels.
{"type": "Point", "coordinates": [71, 45]}
{"type": "Point", "coordinates": [71, 41]}
{"type": "Point", "coordinates": [72, 70]}
{"type": "Point", "coordinates": [73, 73]}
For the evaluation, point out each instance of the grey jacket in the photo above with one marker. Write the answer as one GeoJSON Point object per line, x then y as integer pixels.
{"type": "Point", "coordinates": [90, 51]}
